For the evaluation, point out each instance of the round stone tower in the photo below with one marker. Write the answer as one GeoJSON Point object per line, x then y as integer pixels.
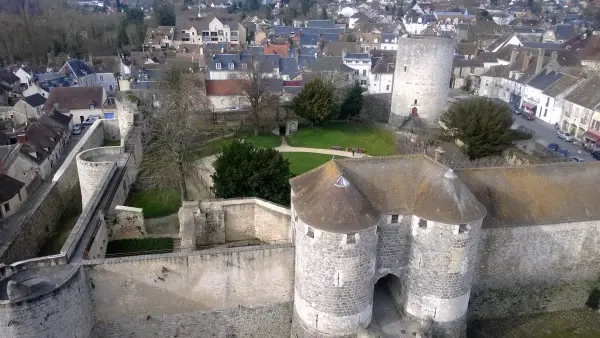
{"type": "Point", "coordinates": [126, 110]}
{"type": "Point", "coordinates": [92, 165]}
{"type": "Point", "coordinates": [335, 255]}
{"type": "Point", "coordinates": [421, 78]}
{"type": "Point", "coordinates": [442, 254]}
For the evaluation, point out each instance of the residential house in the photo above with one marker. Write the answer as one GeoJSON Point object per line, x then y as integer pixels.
{"type": "Point", "coordinates": [35, 88]}
{"type": "Point", "coordinates": [331, 66]}
{"type": "Point", "coordinates": [533, 93]}
{"type": "Point", "coordinates": [581, 105]}
{"type": "Point", "coordinates": [552, 98]}
{"type": "Point", "coordinates": [289, 69]}
{"type": "Point", "coordinates": [368, 41]}
{"type": "Point", "coordinates": [466, 73]}
{"type": "Point", "coordinates": [209, 30]}
{"type": "Point", "coordinates": [24, 76]}
{"type": "Point", "coordinates": [529, 33]}
{"type": "Point", "coordinates": [361, 64]}
{"type": "Point", "coordinates": [501, 18]}
{"type": "Point", "coordinates": [281, 49]}
{"type": "Point", "coordinates": [106, 69]}
{"type": "Point", "coordinates": [559, 34]}
{"type": "Point", "coordinates": [12, 195]}
{"type": "Point", "coordinates": [338, 48]}
{"type": "Point", "coordinates": [586, 47]}
{"type": "Point", "coordinates": [503, 41]}
{"type": "Point", "coordinates": [81, 73]}
{"type": "Point", "coordinates": [466, 50]}
{"type": "Point", "coordinates": [320, 24]}
{"type": "Point", "coordinates": [228, 94]}
{"type": "Point", "coordinates": [28, 108]}
{"type": "Point", "coordinates": [232, 66]}
{"type": "Point", "coordinates": [381, 77]}
{"type": "Point", "coordinates": [159, 37]}
{"type": "Point", "coordinates": [10, 83]}
{"type": "Point", "coordinates": [389, 41]}
{"type": "Point", "coordinates": [82, 102]}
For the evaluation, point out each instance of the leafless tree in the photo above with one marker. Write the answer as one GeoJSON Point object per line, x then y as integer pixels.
{"type": "Point", "coordinates": [254, 86]}
{"type": "Point", "coordinates": [172, 128]}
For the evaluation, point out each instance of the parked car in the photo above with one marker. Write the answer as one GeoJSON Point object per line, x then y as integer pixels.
{"type": "Point", "coordinates": [77, 129]}
{"type": "Point", "coordinates": [91, 119]}
{"type": "Point", "coordinates": [596, 155]}
{"type": "Point", "coordinates": [577, 159]}
{"type": "Point", "coordinates": [553, 146]}
{"type": "Point", "coordinates": [528, 116]}
{"type": "Point", "coordinates": [564, 135]}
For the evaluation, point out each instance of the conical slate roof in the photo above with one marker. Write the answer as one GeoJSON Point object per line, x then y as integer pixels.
{"type": "Point", "coordinates": [325, 199]}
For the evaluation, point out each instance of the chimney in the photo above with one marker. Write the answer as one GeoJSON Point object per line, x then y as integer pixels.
{"type": "Point", "coordinates": [554, 56]}
{"type": "Point", "coordinates": [22, 138]}
{"type": "Point", "coordinates": [526, 60]}
{"type": "Point", "coordinates": [513, 55]}
{"type": "Point", "coordinates": [540, 61]}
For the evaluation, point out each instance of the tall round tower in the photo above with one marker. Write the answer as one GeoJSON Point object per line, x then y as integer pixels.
{"type": "Point", "coordinates": [442, 257]}
{"type": "Point", "coordinates": [336, 246]}
{"type": "Point", "coordinates": [421, 78]}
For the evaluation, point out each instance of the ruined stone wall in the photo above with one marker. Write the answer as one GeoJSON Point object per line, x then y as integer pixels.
{"type": "Point", "coordinates": [23, 234]}
{"type": "Point", "coordinates": [179, 285]}
{"type": "Point", "coordinates": [535, 268]}
{"type": "Point", "coordinates": [64, 311]}
{"type": "Point", "coordinates": [129, 223]}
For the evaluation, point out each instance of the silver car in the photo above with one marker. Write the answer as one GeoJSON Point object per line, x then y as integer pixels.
{"type": "Point", "coordinates": [564, 135]}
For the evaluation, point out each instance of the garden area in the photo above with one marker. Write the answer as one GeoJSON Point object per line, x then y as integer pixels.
{"type": "Point", "coordinates": [303, 162]}
{"type": "Point", "coordinates": [375, 141]}
{"type": "Point", "coordinates": [142, 246]}
{"type": "Point", "coordinates": [264, 140]}
{"type": "Point", "coordinates": [155, 202]}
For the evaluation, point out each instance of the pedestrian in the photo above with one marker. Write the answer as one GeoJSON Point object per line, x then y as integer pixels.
{"type": "Point", "coordinates": [352, 152]}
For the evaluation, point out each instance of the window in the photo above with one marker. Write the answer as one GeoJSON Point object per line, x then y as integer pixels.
{"type": "Point", "coordinates": [404, 68]}
{"type": "Point", "coordinates": [218, 65]}
{"type": "Point", "coordinates": [387, 87]}
{"type": "Point", "coordinates": [92, 106]}
{"type": "Point", "coordinates": [415, 101]}
{"type": "Point", "coordinates": [192, 33]}
{"type": "Point", "coordinates": [356, 72]}
{"type": "Point", "coordinates": [472, 70]}
{"type": "Point", "coordinates": [7, 207]}
{"type": "Point", "coordinates": [337, 281]}
{"type": "Point", "coordinates": [110, 88]}
{"type": "Point", "coordinates": [462, 228]}
{"type": "Point", "coordinates": [548, 102]}
{"type": "Point", "coordinates": [215, 27]}
{"type": "Point", "coordinates": [364, 72]}
{"type": "Point", "coordinates": [182, 31]}
{"type": "Point", "coordinates": [101, 77]}
{"type": "Point", "coordinates": [422, 224]}
{"type": "Point", "coordinates": [231, 65]}
{"type": "Point", "coordinates": [351, 238]}
{"type": "Point", "coordinates": [310, 232]}
{"type": "Point", "coordinates": [394, 219]}
{"type": "Point", "coordinates": [363, 82]}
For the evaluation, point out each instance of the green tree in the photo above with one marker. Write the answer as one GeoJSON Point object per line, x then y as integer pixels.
{"type": "Point", "coordinates": [314, 102]}
{"type": "Point", "coordinates": [352, 103]}
{"type": "Point", "coordinates": [242, 170]}
{"type": "Point", "coordinates": [305, 6]}
{"type": "Point", "coordinates": [324, 15]}
{"type": "Point", "coordinates": [164, 12]}
{"type": "Point", "coordinates": [123, 38]}
{"type": "Point", "coordinates": [482, 125]}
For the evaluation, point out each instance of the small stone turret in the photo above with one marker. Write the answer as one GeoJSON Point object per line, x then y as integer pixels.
{"type": "Point", "coordinates": [126, 110]}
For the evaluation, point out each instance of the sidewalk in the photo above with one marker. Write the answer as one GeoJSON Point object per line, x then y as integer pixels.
{"type": "Point", "coordinates": [285, 148]}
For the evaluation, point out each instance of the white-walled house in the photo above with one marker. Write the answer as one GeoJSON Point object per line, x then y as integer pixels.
{"type": "Point", "coordinates": [381, 77]}
{"type": "Point", "coordinates": [82, 102]}
{"type": "Point", "coordinates": [552, 98]}
{"type": "Point", "coordinates": [35, 89]}
{"type": "Point", "coordinates": [361, 64]}
{"type": "Point", "coordinates": [80, 72]}
{"type": "Point", "coordinates": [27, 108]}
{"type": "Point", "coordinates": [24, 76]}
{"type": "Point", "coordinates": [12, 195]}
{"type": "Point", "coordinates": [389, 41]}
{"type": "Point", "coordinates": [580, 106]}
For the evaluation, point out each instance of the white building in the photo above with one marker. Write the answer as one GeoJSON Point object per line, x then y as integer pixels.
{"type": "Point", "coordinates": [361, 63]}
{"type": "Point", "coordinates": [381, 77]}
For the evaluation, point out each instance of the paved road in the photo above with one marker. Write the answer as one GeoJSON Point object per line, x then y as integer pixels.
{"type": "Point", "coordinates": [547, 134]}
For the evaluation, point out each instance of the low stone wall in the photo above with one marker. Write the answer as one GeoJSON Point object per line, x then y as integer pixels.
{"type": "Point", "coordinates": [111, 129]}
{"type": "Point", "coordinates": [126, 289]}
{"type": "Point", "coordinates": [269, 321]}
{"type": "Point", "coordinates": [129, 223]}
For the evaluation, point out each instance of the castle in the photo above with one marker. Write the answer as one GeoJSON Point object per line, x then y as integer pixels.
{"type": "Point", "coordinates": [453, 246]}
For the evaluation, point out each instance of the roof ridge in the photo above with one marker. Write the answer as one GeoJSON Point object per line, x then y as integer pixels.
{"type": "Point", "coordinates": [566, 163]}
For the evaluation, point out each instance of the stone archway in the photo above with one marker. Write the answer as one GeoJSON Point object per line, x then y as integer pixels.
{"type": "Point", "coordinates": [414, 112]}
{"type": "Point", "coordinates": [387, 319]}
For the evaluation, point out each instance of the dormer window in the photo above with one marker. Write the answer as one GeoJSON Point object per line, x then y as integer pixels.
{"type": "Point", "coordinates": [422, 224]}
{"type": "Point", "coordinates": [92, 106]}
{"type": "Point", "coordinates": [218, 65]}
{"type": "Point", "coordinates": [231, 66]}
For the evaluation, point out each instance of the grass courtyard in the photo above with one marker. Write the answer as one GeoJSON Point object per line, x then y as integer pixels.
{"type": "Point", "coordinates": [155, 202]}
{"type": "Point", "coordinates": [303, 162]}
{"type": "Point", "coordinates": [375, 141]}
{"type": "Point", "coordinates": [264, 140]}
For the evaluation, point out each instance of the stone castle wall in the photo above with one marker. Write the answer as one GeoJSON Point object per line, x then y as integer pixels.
{"type": "Point", "coordinates": [200, 288]}
{"type": "Point", "coordinates": [23, 234]}
{"type": "Point", "coordinates": [65, 311]}
{"type": "Point", "coordinates": [422, 73]}
{"type": "Point", "coordinates": [535, 269]}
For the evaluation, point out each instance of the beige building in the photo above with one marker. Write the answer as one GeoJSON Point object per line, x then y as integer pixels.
{"type": "Point", "coordinates": [209, 30]}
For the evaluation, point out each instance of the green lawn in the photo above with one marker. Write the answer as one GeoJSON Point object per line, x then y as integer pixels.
{"type": "Point", "coordinates": [583, 323]}
{"type": "Point", "coordinates": [303, 162]}
{"type": "Point", "coordinates": [260, 141]}
{"type": "Point", "coordinates": [142, 246]}
{"type": "Point", "coordinates": [375, 141]}
{"type": "Point", "coordinates": [156, 203]}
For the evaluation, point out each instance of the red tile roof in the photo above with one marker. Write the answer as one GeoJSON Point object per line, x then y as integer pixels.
{"type": "Point", "coordinates": [277, 49]}
{"type": "Point", "coordinates": [223, 87]}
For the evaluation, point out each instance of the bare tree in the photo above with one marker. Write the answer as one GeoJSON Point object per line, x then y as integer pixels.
{"type": "Point", "coordinates": [254, 86]}
{"type": "Point", "coordinates": [172, 128]}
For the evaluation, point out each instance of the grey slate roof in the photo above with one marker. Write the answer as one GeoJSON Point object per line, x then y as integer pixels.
{"type": "Point", "coordinates": [320, 24]}
{"type": "Point", "coordinates": [80, 68]}
{"type": "Point", "coordinates": [558, 87]}
{"type": "Point", "coordinates": [564, 32]}
{"type": "Point", "coordinates": [358, 56]}
{"type": "Point", "coordinates": [269, 61]}
{"type": "Point", "coordinates": [309, 40]}
{"type": "Point", "coordinates": [328, 63]}
{"type": "Point", "coordinates": [464, 63]}
{"type": "Point", "coordinates": [289, 66]}
{"type": "Point", "coordinates": [9, 187]}
{"type": "Point", "coordinates": [586, 94]}
{"type": "Point", "coordinates": [35, 100]}
{"type": "Point", "coordinates": [544, 80]}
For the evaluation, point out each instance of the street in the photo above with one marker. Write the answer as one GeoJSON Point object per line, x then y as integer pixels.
{"type": "Point", "coordinates": [546, 134]}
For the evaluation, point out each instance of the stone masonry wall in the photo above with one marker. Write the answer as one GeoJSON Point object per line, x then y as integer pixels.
{"type": "Point", "coordinates": [535, 268]}
{"type": "Point", "coordinates": [64, 312]}
{"type": "Point", "coordinates": [127, 288]}
{"type": "Point", "coordinates": [111, 130]}
{"type": "Point", "coordinates": [91, 165]}
{"type": "Point", "coordinates": [271, 222]}
{"type": "Point", "coordinates": [393, 246]}
{"type": "Point", "coordinates": [129, 223]}
{"type": "Point", "coordinates": [268, 321]}
{"type": "Point", "coordinates": [23, 234]}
